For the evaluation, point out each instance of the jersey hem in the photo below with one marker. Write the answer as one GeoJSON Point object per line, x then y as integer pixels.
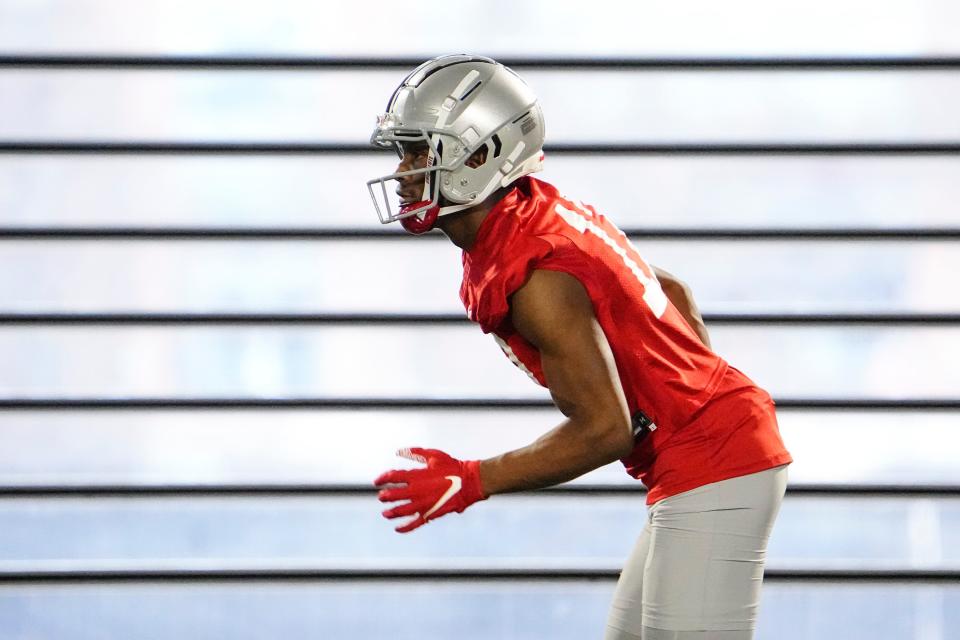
{"type": "Point", "coordinates": [657, 494]}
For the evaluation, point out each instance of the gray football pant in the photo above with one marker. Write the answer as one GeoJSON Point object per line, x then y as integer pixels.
{"type": "Point", "coordinates": [697, 568]}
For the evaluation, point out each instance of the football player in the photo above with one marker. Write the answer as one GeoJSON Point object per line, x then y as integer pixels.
{"type": "Point", "coordinates": [620, 345]}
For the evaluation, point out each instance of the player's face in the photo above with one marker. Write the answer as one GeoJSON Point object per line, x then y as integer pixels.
{"type": "Point", "coordinates": [410, 188]}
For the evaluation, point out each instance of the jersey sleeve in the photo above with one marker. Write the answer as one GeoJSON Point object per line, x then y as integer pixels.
{"type": "Point", "coordinates": [504, 277]}
{"type": "Point", "coordinates": [567, 257]}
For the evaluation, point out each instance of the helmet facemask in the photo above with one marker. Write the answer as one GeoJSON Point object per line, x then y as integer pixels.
{"type": "Point", "coordinates": [421, 215]}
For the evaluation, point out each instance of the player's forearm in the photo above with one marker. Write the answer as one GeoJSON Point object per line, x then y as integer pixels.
{"type": "Point", "coordinates": [567, 452]}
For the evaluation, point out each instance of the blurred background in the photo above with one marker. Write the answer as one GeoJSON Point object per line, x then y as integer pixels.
{"type": "Point", "coordinates": [209, 346]}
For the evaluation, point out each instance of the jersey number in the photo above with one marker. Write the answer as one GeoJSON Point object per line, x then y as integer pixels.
{"type": "Point", "coordinates": [653, 295]}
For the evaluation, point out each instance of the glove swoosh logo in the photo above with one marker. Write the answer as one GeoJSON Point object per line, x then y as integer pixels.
{"type": "Point", "coordinates": [456, 483]}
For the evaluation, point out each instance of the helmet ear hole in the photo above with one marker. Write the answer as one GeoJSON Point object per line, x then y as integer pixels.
{"type": "Point", "coordinates": [479, 157]}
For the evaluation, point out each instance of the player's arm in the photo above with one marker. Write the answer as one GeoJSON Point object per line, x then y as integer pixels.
{"type": "Point", "coordinates": [680, 295]}
{"type": "Point", "coordinates": [553, 312]}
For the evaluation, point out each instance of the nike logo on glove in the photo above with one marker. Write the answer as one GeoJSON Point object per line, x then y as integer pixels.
{"type": "Point", "coordinates": [456, 483]}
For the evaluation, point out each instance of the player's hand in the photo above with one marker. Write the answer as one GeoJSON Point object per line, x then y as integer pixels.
{"type": "Point", "coordinates": [444, 485]}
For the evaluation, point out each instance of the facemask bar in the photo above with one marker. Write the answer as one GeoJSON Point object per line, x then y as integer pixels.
{"type": "Point", "coordinates": [382, 203]}
{"type": "Point", "coordinates": [387, 138]}
{"type": "Point", "coordinates": [381, 198]}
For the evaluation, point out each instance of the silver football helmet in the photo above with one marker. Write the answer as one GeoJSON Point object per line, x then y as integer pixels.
{"type": "Point", "coordinates": [457, 104]}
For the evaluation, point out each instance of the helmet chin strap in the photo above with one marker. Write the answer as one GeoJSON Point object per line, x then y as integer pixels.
{"type": "Point", "coordinates": [426, 219]}
{"type": "Point", "coordinates": [420, 222]}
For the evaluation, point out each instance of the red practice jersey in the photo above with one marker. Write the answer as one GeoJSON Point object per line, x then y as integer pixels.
{"type": "Point", "coordinates": [696, 419]}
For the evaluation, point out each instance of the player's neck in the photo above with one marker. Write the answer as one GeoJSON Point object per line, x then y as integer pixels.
{"type": "Point", "coordinates": [462, 227]}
